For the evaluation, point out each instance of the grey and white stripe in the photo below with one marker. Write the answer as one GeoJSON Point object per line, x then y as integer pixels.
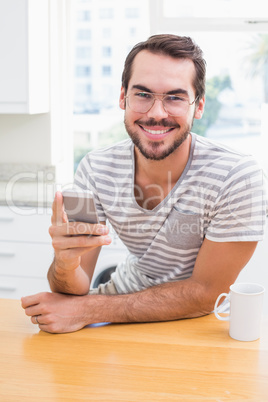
{"type": "Point", "coordinates": [220, 196]}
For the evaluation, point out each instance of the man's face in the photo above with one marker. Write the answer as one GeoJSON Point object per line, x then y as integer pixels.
{"type": "Point", "coordinates": [155, 133]}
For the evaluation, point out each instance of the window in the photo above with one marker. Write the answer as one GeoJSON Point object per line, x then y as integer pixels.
{"type": "Point", "coordinates": [132, 12]}
{"type": "Point", "coordinates": [110, 41]}
{"type": "Point", "coordinates": [83, 71]}
{"type": "Point", "coordinates": [233, 101]}
{"type": "Point", "coordinates": [228, 32]}
{"type": "Point", "coordinates": [234, 38]}
{"type": "Point", "coordinates": [132, 31]}
{"type": "Point", "coordinates": [84, 15]}
{"type": "Point", "coordinates": [106, 13]}
{"type": "Point", "coordinates": [83, 52]}
{"type": "Point", "coordinates": [84, 34]}
{"type": "Point", "coordinates": [106, 32]}
{"type": "Point", "coordinates": [107, 51]}
{"type": "Point", "coordinates": [106, 70]}
{"type": "Point", "coordinates": [83, 89]}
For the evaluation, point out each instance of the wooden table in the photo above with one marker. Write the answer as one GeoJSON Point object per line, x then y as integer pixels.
{"type": "Point", "coordinates": [187, 360]}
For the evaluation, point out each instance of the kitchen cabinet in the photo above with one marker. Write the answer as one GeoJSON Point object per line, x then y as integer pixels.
{"type": "Point", "coordinates": [24, 49]}
{"type": "Point", "coordinates": [25, 251]}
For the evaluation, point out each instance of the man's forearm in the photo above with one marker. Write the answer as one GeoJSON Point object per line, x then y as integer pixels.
{"type": "Point", "coordinates": [63, 281]}
{"type": "Point", "coordinates": [170, 301]}
{"type": "Point", "coordinates": [60, 313]}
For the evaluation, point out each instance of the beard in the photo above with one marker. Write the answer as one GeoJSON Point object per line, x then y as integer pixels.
{"type": "Point", "coordinates": [154, 153]}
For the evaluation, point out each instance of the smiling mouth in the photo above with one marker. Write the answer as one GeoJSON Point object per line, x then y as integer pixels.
{"type": "Point", "coordinates": [157, 132]}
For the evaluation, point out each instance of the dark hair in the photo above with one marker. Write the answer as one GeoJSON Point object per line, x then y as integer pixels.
{"type": "Point", "coordinates": [181, 47]}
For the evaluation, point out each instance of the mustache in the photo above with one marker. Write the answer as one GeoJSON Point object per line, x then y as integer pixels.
{"type": "Point", "coordinates": [152, 122]}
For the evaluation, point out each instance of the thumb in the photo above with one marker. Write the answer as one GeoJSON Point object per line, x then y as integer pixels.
{"type": "Point", "coordinates": [58, 213]}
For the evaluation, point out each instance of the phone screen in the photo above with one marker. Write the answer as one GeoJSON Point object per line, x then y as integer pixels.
{"type": "Point", "coordinates": [80, 206]}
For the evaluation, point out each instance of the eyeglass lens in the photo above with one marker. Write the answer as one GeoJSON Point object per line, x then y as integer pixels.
{"type": "Point", "coordinates": [173, 105]}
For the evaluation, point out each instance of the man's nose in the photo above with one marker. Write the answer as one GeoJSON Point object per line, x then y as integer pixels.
{"type": "Point", "coordinates": [157, 110]}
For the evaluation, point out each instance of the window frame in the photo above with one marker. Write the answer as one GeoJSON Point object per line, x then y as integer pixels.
{"type": "Point", "coordinates": [160, 23]}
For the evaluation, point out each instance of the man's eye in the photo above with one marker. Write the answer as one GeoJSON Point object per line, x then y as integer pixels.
{"type": "Point", "coordinates": [144, 95]}
{"type": "Point", "coordinates": [175, 98]}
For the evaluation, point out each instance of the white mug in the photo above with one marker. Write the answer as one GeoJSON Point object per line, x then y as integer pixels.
{"type": "Point", "coordinates": [245, 310]}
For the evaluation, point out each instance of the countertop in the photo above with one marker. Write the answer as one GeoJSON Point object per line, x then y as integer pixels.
{"type": "Point", "coordinates": [27, 185]}
{"type": "Point", "coordinates": [185, 360]}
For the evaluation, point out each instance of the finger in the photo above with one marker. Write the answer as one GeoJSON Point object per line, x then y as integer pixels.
{"type": "Point", "coordinates": [33, 310]}
{"type": "Point", "coordinates": [77, 228]}
{"type": "Point", "coordinates": [64, 243]}
{"type": "Point", "coordinates": [83, 228]}
{"type": "Point", "coordinates": [32, 300]}
{"type": "Point", "coordinates": [45, 328]}
{"type": "Point", "coordinates": [58, 213]}
{"type": "Point", "coordinates": [50, 328]}
{"type": "Point", "coordinates": [36, 319]}
{"type": "Point", "coordinates": [73, 253]}
{"type": "Point", "coordinates": [46, 323]}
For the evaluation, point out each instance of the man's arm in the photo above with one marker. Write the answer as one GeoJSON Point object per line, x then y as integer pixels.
{"type": "Point", "coordinates": [217, 267]}
{"type": "Point", "coordinates": [76, 281]}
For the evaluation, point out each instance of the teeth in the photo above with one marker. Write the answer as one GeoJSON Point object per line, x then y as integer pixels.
{"type": "Point", "coordinates": [156, 132]}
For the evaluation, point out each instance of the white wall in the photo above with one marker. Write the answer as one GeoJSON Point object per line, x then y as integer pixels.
{"type": "Point", "coordinates": [257, 269]}
{"type": "Point", "coordinates": [25, 139]}
{"type": "Point", "coordinates": [46, 139]}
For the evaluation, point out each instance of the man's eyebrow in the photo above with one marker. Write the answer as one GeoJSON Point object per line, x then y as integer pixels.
{"type": "Point", "coordinates": [172, 92]}
{"type": "Point", "coordinates": [178, 91]}
{"type": "Point", "coordinates": [141, 88]}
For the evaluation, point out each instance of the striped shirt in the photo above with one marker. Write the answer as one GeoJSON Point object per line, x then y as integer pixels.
{"type": "Point", "coordinates": [220, 196]}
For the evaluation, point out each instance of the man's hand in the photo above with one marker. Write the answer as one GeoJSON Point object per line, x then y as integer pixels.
{"type": "Point", "coordinates": [54, 312]}
{"type": "Point", "coordinates": [69, 248]}
{"type": "Point", "coordinates": [76, 251]}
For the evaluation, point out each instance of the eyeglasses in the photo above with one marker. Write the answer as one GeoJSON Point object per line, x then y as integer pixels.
{"type": "Point", "coordinates": [174, 105]}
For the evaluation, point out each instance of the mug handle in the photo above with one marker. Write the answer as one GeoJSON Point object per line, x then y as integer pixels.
{"type": "Point", "coordinates": [226, 318]}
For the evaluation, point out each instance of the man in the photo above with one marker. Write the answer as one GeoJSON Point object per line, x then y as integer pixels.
{"type": "Point", "coordinates": [189, 211]}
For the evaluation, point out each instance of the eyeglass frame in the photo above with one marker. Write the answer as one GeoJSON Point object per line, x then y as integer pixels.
{"type": "Point", "coordinates": [163, 97]}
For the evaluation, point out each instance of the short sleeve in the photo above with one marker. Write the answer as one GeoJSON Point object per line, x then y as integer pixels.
{"type": "Point", "coordinates": [239, 213]}
{"type": "Point", "coordinates": [84, 178]}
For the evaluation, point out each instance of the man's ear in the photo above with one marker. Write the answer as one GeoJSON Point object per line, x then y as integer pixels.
{"type": "Point", "coordinates": [200, 109]}
{"type": "Point", "coordinates": [122, 100]}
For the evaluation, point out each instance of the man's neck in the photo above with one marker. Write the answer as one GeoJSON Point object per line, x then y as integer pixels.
{"type": "Point", "coordinates": [158, 172]}
{"type": "Point", "coordinates": [155, 179]}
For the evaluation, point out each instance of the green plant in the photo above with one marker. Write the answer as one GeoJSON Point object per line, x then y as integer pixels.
{"type": "Point", "coordinates": [214, 86]}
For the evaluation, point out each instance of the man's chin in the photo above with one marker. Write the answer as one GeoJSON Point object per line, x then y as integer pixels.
{"type": "Point", "coordinates": [156, 150]}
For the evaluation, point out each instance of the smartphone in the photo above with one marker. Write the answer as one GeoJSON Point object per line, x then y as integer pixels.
{"type": "Point", "coordinates": [80, 206]}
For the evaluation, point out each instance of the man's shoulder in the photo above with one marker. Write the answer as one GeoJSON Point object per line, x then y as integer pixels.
{"type": "Point", "coordinates": [222, 162]}
{"type": "Point", "coordinates": [209, 151]}
{"type": "Point", "coordinates": [119, 151]}
{"type": "Point", "coordinates": [120, 148]}
{"type": "Point", "coordinates": [206, 145]}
